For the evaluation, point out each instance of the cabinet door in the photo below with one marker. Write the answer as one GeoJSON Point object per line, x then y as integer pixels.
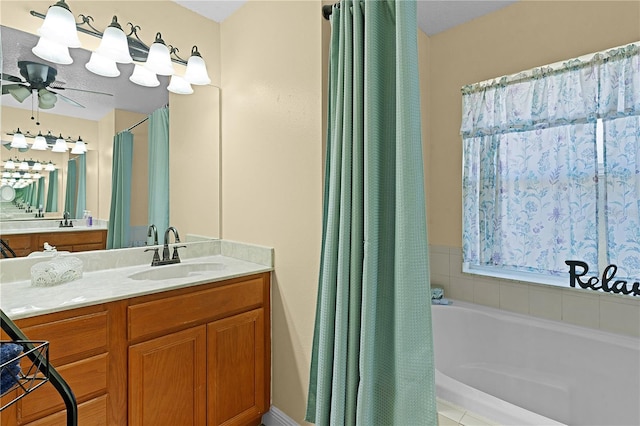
{"type": "Point", "coordinates": [167, 380]}
{"type": "Point", "coordinates": [236, 371]}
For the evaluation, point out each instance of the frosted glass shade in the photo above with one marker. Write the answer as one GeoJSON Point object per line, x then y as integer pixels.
{"type": "Point", "coordinates": [37, 175]}
{"type": "Point", "coordinates": [37, 166]}
{"type": "Point", "coordinates": [52, 51]}
{"type": "Point", "coordinates": [159, 59]}
{"type": "Point", "coordinates": [9, 165]}
{"type": "Point", "coordinates": [179, 85]}
{"type": "Point", "coordinates": [18, 140]}
{"type": "Point", "coordinates": [60, 145]}
{"type": "Point", "coordinates": [143, 77]}
{"type": "Point", "coordinates": [114, 44]}
{"type": "Point", "coordinates": [102, 65]}
{"type": "Point", "coordinates": [196, 69]}
{"type": "Point", "coordinates": [23, 166]}
{"type": "Point", "coordinates": [79, 148]}
{"type": "Point", "coordinates": [20, 93]}
{"type": "Point", "coordinates": [39, 144]}
{"type": "Point", "coordinates": [50, 167]}
{"type": "Point", "coordinates": [60, 26]}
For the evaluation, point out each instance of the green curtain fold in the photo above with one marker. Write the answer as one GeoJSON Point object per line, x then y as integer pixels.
{"type": "Point", "coordinates": [81, 187]}
{"type": "Point", "coordinates": [52, 192]}
{"type": "Point", "coordinates": [372, 357]}
{"type": "Point", "coordinates": [159, 168]}
{"type": "Point", "coordinates": [40, 199]}
{"type": "Point", "coordinates": [120, 212]}
{"type": "Point", "coordinates": [71, 190]}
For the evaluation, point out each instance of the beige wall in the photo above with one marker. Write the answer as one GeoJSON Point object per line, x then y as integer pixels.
{"type": "Point", "coordinates": [524, 35]}
{"type": "Point", "coordinates": [272, 168]}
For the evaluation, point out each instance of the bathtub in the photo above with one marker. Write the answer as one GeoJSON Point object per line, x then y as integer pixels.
{"type": "Point", "coordinates": [521, 370]}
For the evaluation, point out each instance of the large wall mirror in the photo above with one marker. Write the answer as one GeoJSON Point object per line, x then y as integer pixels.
{"type": "Point", "coordinates": [95, 108]}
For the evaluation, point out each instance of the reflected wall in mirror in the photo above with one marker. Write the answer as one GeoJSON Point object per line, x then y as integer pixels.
{"type": "Point", "coordinates": [194, 119]}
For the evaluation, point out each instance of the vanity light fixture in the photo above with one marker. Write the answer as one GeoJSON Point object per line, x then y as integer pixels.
{"type": "Point", "coordinates": [179, 85]}
{"type": "Point", "coordinates": [60, 145]}
{"type": "Point", "coordinates": [16, 175]}
{"type": "Point", "coordinates": [80, 147]}
{"type": "Point", "coordinates": [6, 175]}
{"type": "Point", "coordinates": [18, 140]}
{"type": "Point", "coordinates": [9, 164]}
{"type": "Point", "coordinates": [50, 167]}
{"type": "Point", "coordinates": [37, 166]}
{"type": "Point", "coordinates": [23, 165]}
{"type": "Point", "coordinates": [59, 32]}
{"type": "Point", "coordinates": [36, 175]}
{"type": "Point", "coordinates": [40, 143]}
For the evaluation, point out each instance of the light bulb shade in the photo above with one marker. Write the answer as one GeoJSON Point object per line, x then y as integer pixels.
{"type": "Point", "coordinates": [27, 175]}
{"type": "Point", "coordinates": [114, 44]}
{"type": "Point", "coordinates": [45, 105]}
{"type": "Point", "coordinates": [10, 165]}
{"type": "Point", "coordinates": [20, 93]}
{"type": "Point", "coordinates": [50, 167]}
{"type": "Point", "coordinates": [37, 166]}
{"type": "Point", "coordinates": [102, 65]}
{"type": "Point", "coordinates": [37, 175]}
{"type": "Point", "coordinates": [143, 77]}
{"type": "Point", "coordinates": [47, 96]}
{"type": "Point", "coordinates": [23, 166]}
{"type": "Point", "coordinates": [60, 145]}
{"type": "Point", "coordinates": [18, 140]}
{"type": "Point", "coordinates": [159, 59]}
{"type": "Point", "coordinates": [16, 175]}
{"type": "Point", "coordinates": [196, 69]}
{"type": "Point", "coordinates": [79, 147]}
{"type": "Point", "coordinates": [39, 144]}
{"type": "Point", "coordinates": [6, 175]}
{"type": "Point", "coordinates": [60, 26]}
{"type": "Point", "coordinates": [179, 85]}
{"type": "Point", "coordinates": [52, 51]}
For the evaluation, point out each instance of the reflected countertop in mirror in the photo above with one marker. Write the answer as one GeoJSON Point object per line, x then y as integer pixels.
{"type": "Point", "coordinates": [47, 225]}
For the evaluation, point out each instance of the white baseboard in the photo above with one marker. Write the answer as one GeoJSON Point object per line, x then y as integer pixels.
{"type": "Point", "coordinates": [276, 417]}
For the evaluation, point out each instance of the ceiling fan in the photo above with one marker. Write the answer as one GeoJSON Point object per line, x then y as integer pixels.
{"type": "Point", "coordinates": [38, 79]}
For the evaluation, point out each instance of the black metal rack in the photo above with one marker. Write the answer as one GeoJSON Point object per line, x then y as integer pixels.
{"type": "Point", "coordinates": [38, 371]}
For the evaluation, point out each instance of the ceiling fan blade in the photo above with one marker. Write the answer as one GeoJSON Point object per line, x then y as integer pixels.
{"type": "Point", "coordinates": [80, 90]}
{"type": "Point", "coordinates": [67, 100]}
{"type": "Point", "coordinates": [12, 78]}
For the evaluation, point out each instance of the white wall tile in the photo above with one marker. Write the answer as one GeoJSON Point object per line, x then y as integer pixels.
{"type": "Point", "coordinates": [620, 316]}
{"type": "Point", "coordinates": [545, 302]}
{"type": "Point", "coordinates": [580, 308]}
{"type": "Point", "coordinates": [514, 297]}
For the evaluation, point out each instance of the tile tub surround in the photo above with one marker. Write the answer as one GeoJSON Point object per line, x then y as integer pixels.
{"type": "Point", "coordinates": [106, 276]}
{"type": "Point", "coordinates": [587, 308]}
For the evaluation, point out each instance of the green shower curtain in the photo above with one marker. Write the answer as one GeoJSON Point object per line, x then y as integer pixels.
{"type": "Point", "coordinates": [159, 168]}
{"type": "Point", "coordinates": [118, 229]}
{"type": "Point", "coordinates": [372, 356]}
{"type": "Point", "coordinates": [52, 192]}
{"type": "Point", "coordinates": [70, 193]}
{"type": "Point", "coordinates": [81, 190]}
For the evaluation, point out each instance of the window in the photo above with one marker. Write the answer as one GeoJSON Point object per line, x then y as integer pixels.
{"type": "Point", "coordinates": [551, 170]}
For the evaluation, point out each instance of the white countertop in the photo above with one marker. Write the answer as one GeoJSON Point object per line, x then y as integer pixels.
{"type": "Point", "coordinates": [19, 299]}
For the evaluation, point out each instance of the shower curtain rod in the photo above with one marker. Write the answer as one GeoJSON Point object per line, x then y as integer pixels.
{"type": "Point", "coordinates": [136, 125]}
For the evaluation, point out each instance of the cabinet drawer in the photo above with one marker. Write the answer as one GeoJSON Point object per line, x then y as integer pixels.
{"type": "Point", "coordinates": [186, 310]}
{"type": "Point", "coordinates": [90, 413]}
{"type": "Point", "coordinates": [71, 238]}
{"type": "Point", "coordinates": [87, 378]}
{"type": "Point", "coordinates": [72, 337]}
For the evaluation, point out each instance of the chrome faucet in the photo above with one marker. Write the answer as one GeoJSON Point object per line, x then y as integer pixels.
{"type": "Point", "coordinates": [175, 258]}
{"type": "Point", "coordinates": [153, 232]}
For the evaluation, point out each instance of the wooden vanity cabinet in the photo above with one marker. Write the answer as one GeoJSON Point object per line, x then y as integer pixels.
{"type": "Point", "coordinates": [74, 241]}
{"type": "Point", "coordinates": [194, 356]}
{"type": "Point", "coordinates": [201, 357]}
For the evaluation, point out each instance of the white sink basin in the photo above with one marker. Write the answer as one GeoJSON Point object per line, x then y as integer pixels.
{"type": "Point", "coordinates": [179, 270]}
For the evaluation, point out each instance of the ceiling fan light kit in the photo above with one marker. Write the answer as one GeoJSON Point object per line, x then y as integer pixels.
{"type": "Point", "coordinates": [117, 47]}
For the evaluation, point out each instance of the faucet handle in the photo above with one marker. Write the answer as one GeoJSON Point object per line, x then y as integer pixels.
{"type": "Point", "coordinates": [175, 255]}
{"type": "Point", "coordinates": [156, 256]}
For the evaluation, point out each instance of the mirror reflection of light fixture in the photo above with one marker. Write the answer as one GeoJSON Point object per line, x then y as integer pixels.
{"type": "Point", "coordinates": [114, 44]}
{"type": "Point", "coordinates": [143, 77]}
{"type": "Point", "coordinates": [159, 59]}
{"type": "Point", "coordinates": [20, 93]}
{"type": "Point", "coordinates": [52, 51]}
{"type": "Point", "coordinates": [196, 69]}
{"type": "Point", "coordinates": [26, 175]}
{"type": "Point", "coordinates": [37, 166]}
{"type": "Point", "coordinates": [37, 175]}
{"type": "Point", "coordinates": [6, 175]}
{"type": "Point", "coordinates": [60, 145]}
{"type": "Point", "coordinates": [50, 167]}
{"type": "Point", "coordinates": [80, 147]}
{"type": "Point", "coordinates": [102, 65]}
{"type": "Point", "coordinates": [40, 143]}
{"type": "Point", "coordinates": [23, 165]}
{"type": "Point", "coordinates": [179, 85]}
{"type": "Point", "coordinates": [18, 140]}
{"type": "Point", "coordinates": [16, 175]}
{"type": "Point", "coordinates": [9, 164]}
{"type": "Point", "coordinates": [60, 26]}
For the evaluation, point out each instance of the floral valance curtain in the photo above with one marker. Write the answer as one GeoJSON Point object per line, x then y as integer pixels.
{"type": "Point", "coordinates": [529, 152]}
